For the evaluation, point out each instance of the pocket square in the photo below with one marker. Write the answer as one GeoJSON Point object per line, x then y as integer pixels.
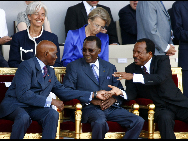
{"type": "Point", "coordinates": [49, 80]}
{"type": "Point", "coordinates": [108, 77]}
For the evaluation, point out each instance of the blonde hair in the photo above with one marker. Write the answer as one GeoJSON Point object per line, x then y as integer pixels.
{"type": "Point", "coordinates": [101, 13]}
{"type": "Point", "coordinates": [35, 6]}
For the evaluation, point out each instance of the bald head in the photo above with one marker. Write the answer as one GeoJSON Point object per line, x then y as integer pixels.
{"type": "Point", "coordinates": [46, 52]}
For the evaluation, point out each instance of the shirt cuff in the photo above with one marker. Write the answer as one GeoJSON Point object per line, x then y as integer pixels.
{"type": "Point", "coordinates": [48, 102]}
{"type": "Point", "coordinates": [124, 94]}
{"type": "Point", "coordinates": [90, 98]}
{"type": "Point", "coordinates": [138, 78]}
{"type": "Point", "coordinates": [167, 48]}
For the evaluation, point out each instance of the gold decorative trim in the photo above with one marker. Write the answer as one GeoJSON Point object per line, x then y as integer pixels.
{"type": "Point", "coordinates": [8, 71]}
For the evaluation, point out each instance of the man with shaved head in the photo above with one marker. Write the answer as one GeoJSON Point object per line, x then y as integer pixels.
{"type": "Point", "coordinates": [26, 99]}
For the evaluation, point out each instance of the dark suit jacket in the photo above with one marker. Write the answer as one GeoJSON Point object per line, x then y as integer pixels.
{"type": "Point", "coordinates": [29, 88]}
{"type": "Point", "coordinates": [127, 21]}
{"type": "Point", "coordinates": [159, 85]}
{"type": "Point", "coordinates": [76, 17]}
{"type": "Point", "coordinates": [180, 22]}
{"type": "Point", "coordinates": [21, 39]}
{"type": "Point", "coordinates": [79, 76]}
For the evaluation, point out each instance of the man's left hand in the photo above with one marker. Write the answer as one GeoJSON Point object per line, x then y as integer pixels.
{"type": "Point", "coordinates": [107, 103]}
{"type": "Point", "coordinates": [123, 75]}
{"type": "Point", "coordinates": [115, 91]}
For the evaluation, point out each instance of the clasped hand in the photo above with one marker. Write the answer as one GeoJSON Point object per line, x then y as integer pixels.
{"type": "Point", "coordinates": [59, 104]}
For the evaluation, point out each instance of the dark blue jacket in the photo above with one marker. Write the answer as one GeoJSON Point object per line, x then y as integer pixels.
{"type": "Point", "coordinates": [127, 21]}
{"type": "Point", "coordinates": [21, 39]}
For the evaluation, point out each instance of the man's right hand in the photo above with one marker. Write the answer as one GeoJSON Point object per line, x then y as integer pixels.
{"type": "Point", "coordinates": [171, 50]}
{"type": "Point", "coordinates": [59, 104]}
{"type": "Point", "coordinates": [102, 94]}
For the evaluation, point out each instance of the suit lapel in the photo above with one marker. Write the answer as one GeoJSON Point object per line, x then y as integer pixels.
{"type": "Point", "coordinates": [83, 11]}
{"type": "Point", "coordinates": [39, 75]}
{"type": "Point", "coordinates": [88, 71]}
{"type": "Point", "coordinates": [163, 9]}
{"type": "Point", "coordinates": [48, 77]}
{"type": "Point", "coordinates": [102, 72]}
{"type": "Point", "coordinates": [152, 65]}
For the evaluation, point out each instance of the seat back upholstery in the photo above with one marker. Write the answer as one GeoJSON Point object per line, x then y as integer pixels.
{"type": "Point", "coordinates": [118, 29]}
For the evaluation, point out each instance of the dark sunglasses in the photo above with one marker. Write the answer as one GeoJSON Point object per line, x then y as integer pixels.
{"type": "Point", "coordinates": [90, 50]}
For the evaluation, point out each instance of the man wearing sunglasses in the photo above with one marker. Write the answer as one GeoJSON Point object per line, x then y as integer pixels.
{"type": "Point", "coordinates": [91, 73]}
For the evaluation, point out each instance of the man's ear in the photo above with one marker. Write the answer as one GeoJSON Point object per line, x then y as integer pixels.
{"type": "Point", "coordinates": [150, 54]}
{"type": "Point", "coordinates": [46, 53]}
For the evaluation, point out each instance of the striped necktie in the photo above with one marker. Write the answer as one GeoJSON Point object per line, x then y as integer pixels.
{"type": "Point", "coordinates": [94, 72]}
{"type": "Point", "coordinates": [45, 71]}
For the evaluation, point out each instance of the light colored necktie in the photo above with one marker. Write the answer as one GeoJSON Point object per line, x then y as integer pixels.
{"type": "Point", "coordinates": [91, 9]}
{"type": "Point", "coordinates": [95, 74]}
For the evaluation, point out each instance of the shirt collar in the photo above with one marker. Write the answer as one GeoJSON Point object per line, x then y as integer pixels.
{"type": "Point", "coordinates": [41, 64]}
{"type": "Point", "coordinates": [33, 38]}
{"type": "Point", "coordinates": [96, 64]}
{"type": "Point", "coordinates": [88, 7]}
{"type": "Point", "coordinates": [147, 65]}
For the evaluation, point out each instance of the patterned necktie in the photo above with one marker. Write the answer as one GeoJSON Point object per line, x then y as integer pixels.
{"type": "Point", "coordinates": [144, 70]}
{"type": "Point", "coordinates": [45, 71]}
{"type": "Point", "coordinates": [91, 9]}
{"type": "Point", "coordinates": [95, 74]}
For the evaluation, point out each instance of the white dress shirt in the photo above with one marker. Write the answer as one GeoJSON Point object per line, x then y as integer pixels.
{"type": "Point", "coordinates": [3, 24]}
{"type": "Point", "coordinates": [88, 7]}
{"type": "Point", "coordinates": [139, 77]}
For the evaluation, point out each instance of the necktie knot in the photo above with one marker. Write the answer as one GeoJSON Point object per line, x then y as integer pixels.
{"type": "Point", "coordinates": [45, 71]}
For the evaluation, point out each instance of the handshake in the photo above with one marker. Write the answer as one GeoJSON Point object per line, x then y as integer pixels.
{"type": "Point", "coordinates": [104, 95]}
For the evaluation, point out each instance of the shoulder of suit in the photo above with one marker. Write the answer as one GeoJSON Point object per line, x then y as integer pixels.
{"type": "Point", "coordinates": [50, 34]}
{"type": "Point", "coordinates": [21, 33]}
{"type": "Point", "coordinates": [106, 63]}
{"type": "Point", "coordinates": [77, 6]}
{"type": "Point", "coordinates": [130, 67]}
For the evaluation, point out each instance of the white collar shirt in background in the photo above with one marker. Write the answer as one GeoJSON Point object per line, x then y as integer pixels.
{"type": "Point", "coordinates": [3, 24]}
{"type": "Point", "coordinates": [88, 7]}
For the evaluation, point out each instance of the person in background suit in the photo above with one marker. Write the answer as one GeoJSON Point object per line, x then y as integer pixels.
{"type": "Point", "coordinates": [76, 17]}
{"type": "Point", "coordinates": [127, 21]}
{"type": "Point", "coordinates": [80, 76]}
{"type": "Point", "coordinates": [97, 19]}
{"type": "Point", "coordinates": [4, 38]}
{"type": "Point", "coordinates": [154, 24]}
{"type": "Point", "coordinates": [26, 99]}
{"type": "Point", "coordinates": [180, 23]}
{"type": "Point", "coordinates": [175, 40]}
{"type": "Point", "coordinates": [23, 45]}
{"type": "Point", "coordinates": [150, 77]}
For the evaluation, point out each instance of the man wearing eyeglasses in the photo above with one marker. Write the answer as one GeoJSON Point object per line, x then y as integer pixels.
{"type": "Point", "coordinates": [91, 73]}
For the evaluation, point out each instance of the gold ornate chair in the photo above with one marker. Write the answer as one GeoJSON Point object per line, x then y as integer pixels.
{"type": "Point", "coordinates": [180, 128]}
{"type": "Point", "coordinates": [35, 130]}
{"type": "Point", "coordinates": [80, 130]}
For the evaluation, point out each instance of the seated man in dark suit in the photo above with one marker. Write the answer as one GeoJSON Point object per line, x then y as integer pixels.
{"type": "Point", "coordinates": [26, 99]}
{"type": "Point", "coordinates": [76, 17]}
{"type": "Point", "coordinates": [127, 21]}
{"type": "Point", "coordinates": [150, 77]}
{"type": "Point", "coordinates": [80, 76]}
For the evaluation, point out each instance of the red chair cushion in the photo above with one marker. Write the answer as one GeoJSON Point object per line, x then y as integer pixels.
{"type": "Point", "coordinates": [6, 126]}
{"type": "Point", "coordinates": [86, 127]}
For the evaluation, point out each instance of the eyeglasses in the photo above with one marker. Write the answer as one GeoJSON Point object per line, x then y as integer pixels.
{"type": "Point", "coordinates": [37, 14]}
{"type": "Point", "coordinates": [90, 50]}
{"type": "Point", "coordinates": [98, 26]}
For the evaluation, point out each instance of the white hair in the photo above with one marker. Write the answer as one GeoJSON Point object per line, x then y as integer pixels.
{"type": "Point", "coordinates": [35, 7]}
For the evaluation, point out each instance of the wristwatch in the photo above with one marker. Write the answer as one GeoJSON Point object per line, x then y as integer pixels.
{"type": "Point", "coordinates": [95, 94]}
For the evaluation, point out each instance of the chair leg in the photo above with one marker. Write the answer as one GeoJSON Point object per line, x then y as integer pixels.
{"type": "Point", "coordinates": [78, 115]}
{"type": "Point", "coordinates": [58, 127]}
{"type": "Point", "coordinates": [151, 112]}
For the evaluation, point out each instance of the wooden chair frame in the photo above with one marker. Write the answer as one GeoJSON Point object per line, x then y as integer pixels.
{"type": "Point", "coordinates": [78, 134]}
{"type": "Point", "coordinates": [6, 135]}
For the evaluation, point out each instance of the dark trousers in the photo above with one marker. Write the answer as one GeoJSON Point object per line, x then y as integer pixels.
{"type": "Point", "coordinates": [98, 118]}
{"type": "Point", "coordinates": [166, 116]}
{"type": "Point", "coordinates": [22, 117]}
